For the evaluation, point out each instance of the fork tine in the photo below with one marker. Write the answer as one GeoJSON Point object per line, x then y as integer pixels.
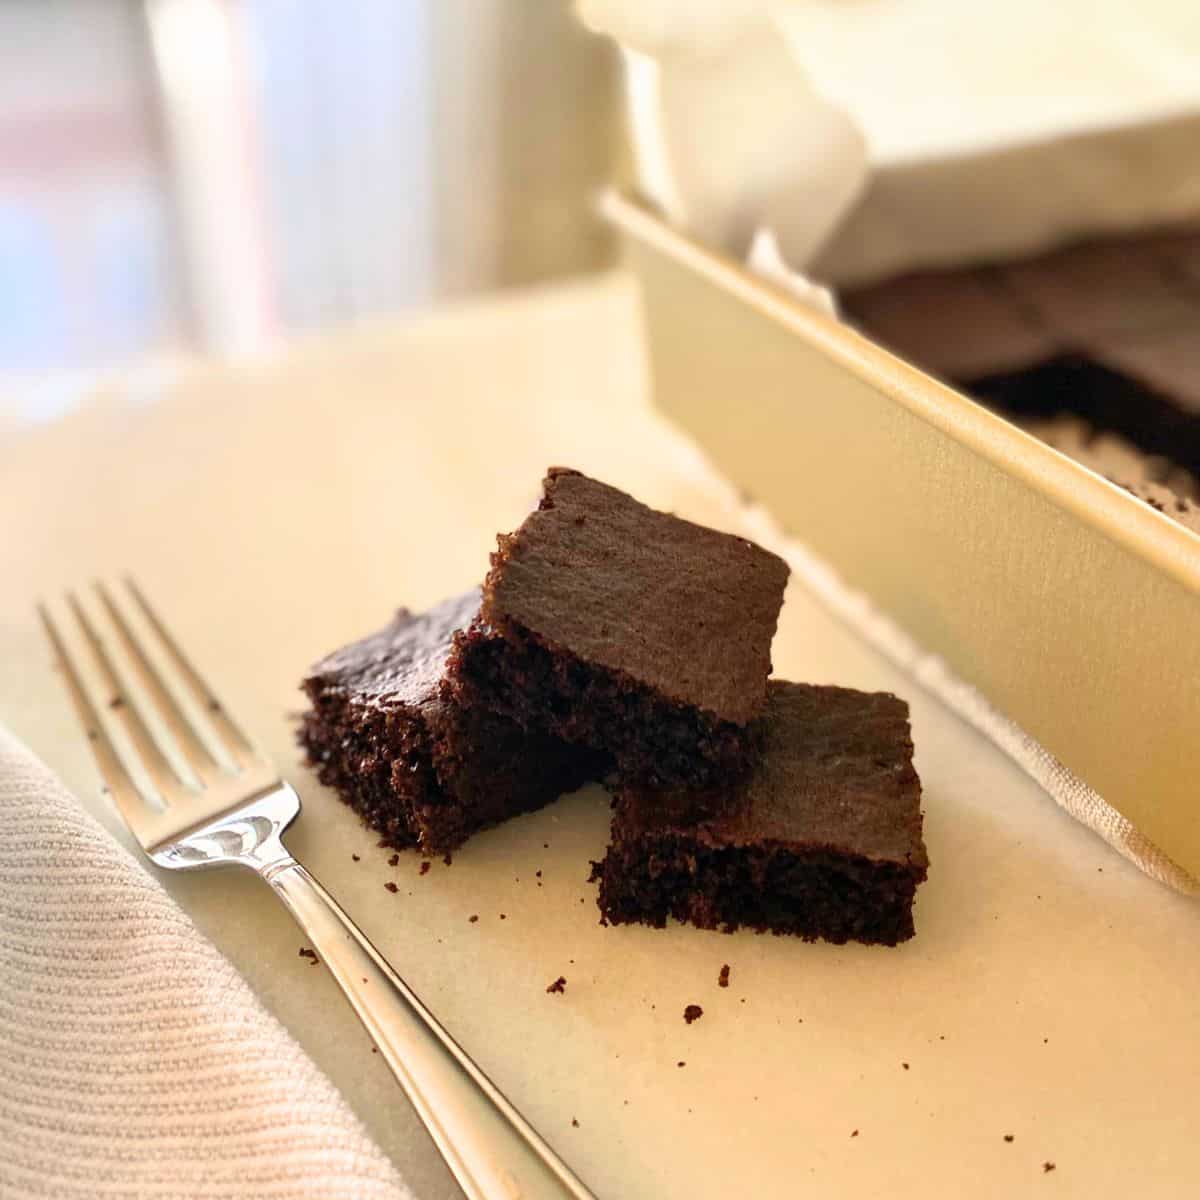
{"type": "Point", "coordinates": [121, 787]}
{"type": "Point", "coordinates": [232, 737]}
{"type": "Point", "coordinates": [158, 766]}
{"type": "Point", "coordinates": [178, 722]}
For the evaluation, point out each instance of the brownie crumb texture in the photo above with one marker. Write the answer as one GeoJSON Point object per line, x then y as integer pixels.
{"type": "Point", "coordinates": [1008, 1137]}
{"type": "Point", "coordinates": [391, 887]}
{"type": "Point", "coordinates": [1047, 1167]}
{"type": "Point", "coordinates": [854, 1133]}
{"type": "Point", "coordinates": [693, 1012]}
{"type": "Point", "coordinates": [394, 860]}
{"type": "Point", "coordinates": [425, 867]}
{"type": "Point", "coordinates": [723, 977]}
{"type": "Point", "coordinates": [574, 1123]}
{"type": "Point", "coordinates": [558, 986]}
{"type": "Point", "coordinates": [311, 955]}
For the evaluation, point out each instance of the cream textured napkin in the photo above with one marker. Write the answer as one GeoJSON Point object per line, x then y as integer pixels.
{"type": "Point", "coordinates": [134, 1060]}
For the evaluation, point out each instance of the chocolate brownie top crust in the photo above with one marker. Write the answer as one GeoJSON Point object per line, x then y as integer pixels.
{"type": "Point", "coordinates": [680, 608]}
{"type": "Point", "coordinates": [836, 774]}
{"type": "Point", "coordinates": [401, 663]}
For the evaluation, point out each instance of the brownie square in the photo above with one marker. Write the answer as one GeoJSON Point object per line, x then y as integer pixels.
{"type": "Point", "coordinates": [823, 840]}
{"type": "Point", "coordinates": [632, 631]}
{"type": "Point", "coordinates": [415, 765]}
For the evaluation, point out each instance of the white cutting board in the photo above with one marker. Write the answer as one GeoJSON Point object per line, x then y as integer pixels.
{"type": "Point", "coordinates": [278, 509]}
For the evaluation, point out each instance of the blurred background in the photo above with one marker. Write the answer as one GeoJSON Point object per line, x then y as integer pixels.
{"type": "Point", "coordinates": [207, 175]}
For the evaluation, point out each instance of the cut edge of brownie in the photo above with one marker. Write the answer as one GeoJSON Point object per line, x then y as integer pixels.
{"type": "Point", "coordinates": [512, 671]}
{"type": "Point", "coordinates": [355, 755]}
{"type": "Point", "coordinates": [813, 893]}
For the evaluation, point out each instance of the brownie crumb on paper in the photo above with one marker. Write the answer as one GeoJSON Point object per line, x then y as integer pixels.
{"type": "Point", "coordinates": [693, 1012]}
{"type": "Point", "coordinates": [723, 977]}
{"type": "Point", "coordinates": [558, 986]}
{"type": "Point", "coordinates": [391, 887]}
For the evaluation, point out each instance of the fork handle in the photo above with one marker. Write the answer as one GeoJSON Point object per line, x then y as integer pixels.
{"type": "Point", "coordinates": [493, 1152]}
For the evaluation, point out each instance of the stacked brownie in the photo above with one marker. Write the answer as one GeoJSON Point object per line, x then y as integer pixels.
{"type": "Point", "coordinates": [610, 640]}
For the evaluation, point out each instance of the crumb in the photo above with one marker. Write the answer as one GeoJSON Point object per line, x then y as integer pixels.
{"type": "Point", "coordinates": [116, 702]}
{"type": "Point", "coordinates": [538, 874]}
{"type": "Point", "coordinates": [854, 1133]}
{"type": "Point", "coordinates": [393, 860]}
{"type": "Point", "coordinates": [904, 1065]}
{"type": "Point", "coordinates": [425, 867]}
{"type": "Point", "coordinates": [559, 985]}
{"type": "Point", "coordinates": [504, 916]}
{"type": "Point", "coordinates": [545, 845]}
{"type": "Point", "coordinates": [1008, 1137]}
{"type": "Point", "coordinates": [681, 1063]}
{"type": "Point", "coordinates": [364, 979]}
{"type": "Point", "coordinates": [693, 1012]}
{"type": "Point", "coordinates": [448, 860]}
{"type": "Point", "coordinates": [214, 706]}
{"type": "Point", "coordinates": [374, 1049]}
{"type": "Point", "coordinates": [473, 918]}
{"type": "Point", "coordinates": [1047, 1167]}
{"type": "Point", "coordinates": [941, 1037]}
{"type": "Point", "coordinates": [391, 887]}
{"type": "Point", "coordinates": [355, 857]}
{"type": "Point", "coordinates": [311, 955]}
{"type": "Point", "coordinates": [1045, 1041]}
{"type": "Point", "coordinates": [574, 1123]}
{"type": "Point", "coordinates": [723, 977]}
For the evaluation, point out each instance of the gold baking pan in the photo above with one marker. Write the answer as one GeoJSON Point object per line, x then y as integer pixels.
{"type": "Point", "coordinates": [1073, 607]}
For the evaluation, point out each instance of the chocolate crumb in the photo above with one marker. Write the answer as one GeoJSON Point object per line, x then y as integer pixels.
{"type": "Point", "coordinates": [545, 845]}
{"type": "Point", "coordinates": [393, 860]}
{"type": "Point", "coordinates": [425, 867]}
{"type": "Point", "coordinates": [473, 918]}
{"type": "Point", "coordinates": [558, 986]}
{"type": "Point", "coordinates": [504, 916]}
{"type": "Point", "coordinates": [116, 702]}
{"type": "Point", "coordinates": [374, 1049]}
{"type": "Point", "coordinates": [693, 1012]}
{"type": "Point", "coordinates": [723, 977]}
{"type": "Point", "coordinates": [355, 857]}
{"type": "Point", "coordinates": [1047, 1167]}
{"type": "Point", "coordinates": [854, 1133]}
{"type": "Point", "coordinates": [574, 1123]}
{"type": "Point", "coordinates": [311, 955]}
{"type": "Point", "coordinates": [391, 887]}
{"type": "Point", "coordinates": [538, 874]}
{"type": "Point", "coordinates": [214, 706]}
{"type": "Point", "coordinates": [1008, 1137]}
{"type": "Point", "coordinates": [904, 1065]}
{"type": "Point", "coordinates": [681, 1063]}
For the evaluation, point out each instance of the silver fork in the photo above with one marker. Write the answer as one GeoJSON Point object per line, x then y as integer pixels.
{"type": "Point", "coordinates": [235, 811]}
